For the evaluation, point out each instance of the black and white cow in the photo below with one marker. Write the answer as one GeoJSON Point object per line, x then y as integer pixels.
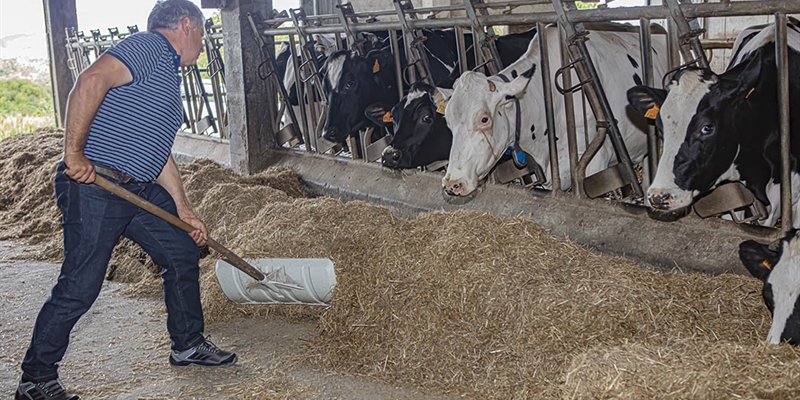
{"type": "Point", "coordinates": [486, 121]}
{"type": "Point", "coordinates": [353, 82]}
{"type": "Point", "coordinates": [420, 136]}
{"type": "Point", "coordinates": [720, 128]}
{"type": "Point", "coordinates": [778, 266]}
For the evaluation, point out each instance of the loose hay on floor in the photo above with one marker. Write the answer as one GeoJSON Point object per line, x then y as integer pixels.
{"type": "Point", "coordinates": [486, 307]}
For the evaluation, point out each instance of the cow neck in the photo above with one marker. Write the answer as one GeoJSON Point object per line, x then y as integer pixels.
{"type": "Point", "coordinates": [519, 156]}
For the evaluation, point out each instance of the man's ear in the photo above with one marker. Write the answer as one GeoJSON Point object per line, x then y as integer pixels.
{"type": "Point", "coordinates": [646, 100]}
{"type": "Point", "coordinates": [379, 113]}
{"type": "Point", "coordinates": [759, 258]}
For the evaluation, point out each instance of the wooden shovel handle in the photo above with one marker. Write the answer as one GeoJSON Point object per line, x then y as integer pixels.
{"type": "Point", "coordinates": [228, 255]}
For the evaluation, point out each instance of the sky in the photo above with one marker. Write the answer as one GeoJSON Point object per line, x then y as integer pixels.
{"type": "Point", "coordinates": [26, 18]}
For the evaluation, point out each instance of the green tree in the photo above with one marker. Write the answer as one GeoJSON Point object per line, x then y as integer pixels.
{"type": "Point", "coordinates": [19, 96]}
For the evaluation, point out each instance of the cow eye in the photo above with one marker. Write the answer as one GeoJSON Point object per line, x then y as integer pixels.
{"type": "Point", "coordinates": [706, 129]}
{"type": "Point", "coordinates": [485, 120]}
{"type": "Point", "coordinates": [349, 85]}
{"type": "Point", "coordinates": [427, 119]}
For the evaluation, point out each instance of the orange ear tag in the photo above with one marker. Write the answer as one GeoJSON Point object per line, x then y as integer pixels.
{"type": "Point", "coordinates": [750, 92]}
{"type": "Point", "coordinates": [387, 117]}
{"type": "Point", "coordinates": [376, 67]}
{"type": "Point", "coordinates": [767, 265]}
{"type": "Point", "coordinates": [441, 107]}
{"type": "Point", "coordinates": [652, 112]}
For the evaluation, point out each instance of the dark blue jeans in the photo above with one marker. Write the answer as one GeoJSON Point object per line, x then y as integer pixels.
{"type": "Point", "coordinates": [93, 220]}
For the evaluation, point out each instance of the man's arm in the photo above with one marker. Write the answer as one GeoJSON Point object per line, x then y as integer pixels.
{"type": "Point", "coordinates": [170, 179]}
{"type": "Point", "coordinates": [84, 100]}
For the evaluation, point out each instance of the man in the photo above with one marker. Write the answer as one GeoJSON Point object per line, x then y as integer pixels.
{"type": "Point", "coordinates": [122, 116]}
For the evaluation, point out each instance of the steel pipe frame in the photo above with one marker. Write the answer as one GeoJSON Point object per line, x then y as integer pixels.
{"type": "Point", "coordinates": [737, 9]}
{"type": "Point", "coordinates": [782, 64]}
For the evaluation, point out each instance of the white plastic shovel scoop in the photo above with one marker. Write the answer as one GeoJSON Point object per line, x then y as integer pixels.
{"type": "Point", "coordinates": [307, 281]}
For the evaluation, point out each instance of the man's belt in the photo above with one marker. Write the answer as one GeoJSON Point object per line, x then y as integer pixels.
{"type": "Point", "coordinates": [114, 174]}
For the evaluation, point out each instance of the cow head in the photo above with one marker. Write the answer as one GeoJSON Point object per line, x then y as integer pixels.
{"type": "Point", "coordinates": [351, 83]}
{"type": "Point", "coordinates": [778, 266]}
{"type": "Point", "coordinates": [700, 117]}
{"type": "Point", "coordinates": [478, 117]}
{"type": "Point", "coordinates": [421, 135]}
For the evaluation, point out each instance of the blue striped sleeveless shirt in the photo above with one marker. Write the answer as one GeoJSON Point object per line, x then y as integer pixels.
{"type": "Point", "coordinates": [135, 127]}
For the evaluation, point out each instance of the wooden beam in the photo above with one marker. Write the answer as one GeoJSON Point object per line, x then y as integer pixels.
{"type": "Point", "coordinates": [252, 102]}
{"type": "Point", "coordinates": [59, 15]}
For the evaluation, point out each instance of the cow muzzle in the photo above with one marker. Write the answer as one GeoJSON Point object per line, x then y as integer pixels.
{"type": "Point", "coordinates": [331, 134]}
{"type": "Point", "coordinates": [660, 200]}
{"type": "Point", "coordinates": [666, 199]}
{"type": "Point", "coordinates": [454, 187]}
{"type": "Point", "coordinates": [391, 157]}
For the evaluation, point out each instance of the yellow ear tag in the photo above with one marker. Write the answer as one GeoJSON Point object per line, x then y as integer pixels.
{"type": "Point", "coordinates": [376, 67]}
{"type": "Point", "coordinates": [767, 265]}
{"type": "Point", "coordinates": [652, 112]}
{"type": "Point", "coordinates": [387, 117]}
{"type": "Point", "coordinates": [441, 107]}
{"type": "Point", "coordinates": [750, 92]}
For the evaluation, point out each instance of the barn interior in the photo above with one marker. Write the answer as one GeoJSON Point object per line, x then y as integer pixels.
{"type": "Point", "coordinates": [512, 292]}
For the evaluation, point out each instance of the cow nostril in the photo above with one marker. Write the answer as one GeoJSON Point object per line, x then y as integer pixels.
{"type": "Point", "coordinates": [660, 200]}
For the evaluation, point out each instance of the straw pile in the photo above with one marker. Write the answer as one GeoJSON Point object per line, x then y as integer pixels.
{"type": "Point", "coordinates": [486, 307]}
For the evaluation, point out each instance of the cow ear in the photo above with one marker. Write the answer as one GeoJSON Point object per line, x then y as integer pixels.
{"type": "Point", "coordinates": [515, 88]}
{"type": "Point", "coordinates": [379, 113]}
{"type": "Point", "coordinates": [380, 60]}
{"type": "Point", "coordinates": [442, 95]}
{"type": "Point", "coordinates": [758, 258]}
{"type": "Point", "coordinates": [646, 100]}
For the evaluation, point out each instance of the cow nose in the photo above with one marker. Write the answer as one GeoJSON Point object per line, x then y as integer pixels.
{"type": "Point", "coordinates": [453, 188]}
{"type": "Point", "coordinates": [390, 157]}
{"type": "Point", "coordinates": [330, 134]}
{"type": "Point", "coordinates": [660, 200]}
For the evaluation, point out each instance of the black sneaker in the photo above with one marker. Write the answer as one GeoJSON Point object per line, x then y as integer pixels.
{"type": "Point", "coordinates": [51, 390]}
{"type": "Point", "coordinates": [205, 354]}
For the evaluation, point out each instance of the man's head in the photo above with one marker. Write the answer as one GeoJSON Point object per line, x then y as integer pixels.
{"type": "Point", "coordinates": [181, 21]}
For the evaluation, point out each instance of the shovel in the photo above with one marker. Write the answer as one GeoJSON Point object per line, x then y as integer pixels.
{"type": "Point", "coordinates": [307, 281]}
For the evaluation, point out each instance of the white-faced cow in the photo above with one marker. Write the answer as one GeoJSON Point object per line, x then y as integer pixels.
{"type": "Point", "coordinates": [420, 136]}
{"type": "Point", "coordinates": [778, 266]}
{"type": "Point", "coordinates": [353, 82]}
{"type": "Point", "coordinates": [486, 120]}
{"type": "Point", "coordinates": [719, 128]}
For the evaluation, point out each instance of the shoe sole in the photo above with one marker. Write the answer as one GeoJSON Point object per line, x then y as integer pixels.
{"type": "Point", "coordinates": [176, 363]}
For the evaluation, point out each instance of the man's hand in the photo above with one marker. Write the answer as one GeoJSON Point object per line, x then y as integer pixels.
{"type": "Point", "coordinates": [79, 168]}
{"type": "Point", "coordinates": [200, 234]}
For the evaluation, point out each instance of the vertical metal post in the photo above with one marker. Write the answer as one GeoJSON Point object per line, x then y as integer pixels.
{"type": "Point", "coordinates": [782, 61]}
{"type": "Point", "coordinates": [398, 68]}
{"type": "Point", "coordinates": [646, 47]}
{"type": "Point", "coordinates": [462, 50]}
{"type": "Point", "coordinates": [544, 60]}
{"type": "Point", "coordinates": [298, 84]}
{"type": "Point", "coordinates": [688, 30]}
{"type": "Point", "coordinates": [572, 136]}
{"type": "Point", "coordinates": [673, 47]}
{"type": "Point", "coordinates": [594, 90]}
{"type": "Point", "coordinates": [483, 41]}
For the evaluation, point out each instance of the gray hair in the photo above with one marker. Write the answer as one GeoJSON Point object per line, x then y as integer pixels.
{"type": "Point", "coordinates": [166, 14]}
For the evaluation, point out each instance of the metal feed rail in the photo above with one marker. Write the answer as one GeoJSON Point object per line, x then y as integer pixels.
{"type": "Point", "coordinates": [736, 9]}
